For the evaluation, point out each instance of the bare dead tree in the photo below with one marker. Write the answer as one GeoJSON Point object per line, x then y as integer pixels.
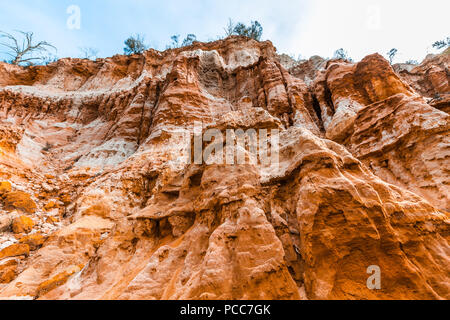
{"type": "Point", "coordinates": [88, 52]}
{"type": "Point", "coordinates": [229, 29]}
{"type": "Point", "coordinates": [21, 49]}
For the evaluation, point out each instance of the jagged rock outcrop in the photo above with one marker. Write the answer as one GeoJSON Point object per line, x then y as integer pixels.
{"type": "Point", "coordinates": [96, 157]}
{"type": "Point", "coordinates": [387, 125]}
{"type": "Point", "coordinates": [430, 79]}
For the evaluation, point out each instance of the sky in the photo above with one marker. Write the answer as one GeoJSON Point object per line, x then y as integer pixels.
{"type": "Point", "coordinates": [296, 27]}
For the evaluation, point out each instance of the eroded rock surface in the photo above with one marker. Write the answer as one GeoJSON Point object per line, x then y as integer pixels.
{"type": "Point", "coordinates": [101, 201]}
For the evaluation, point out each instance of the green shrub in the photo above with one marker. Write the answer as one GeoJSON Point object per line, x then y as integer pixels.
{"type": "Point", "coordinates": [134, 45]}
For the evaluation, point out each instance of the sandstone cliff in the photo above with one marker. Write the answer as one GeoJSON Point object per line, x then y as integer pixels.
{"type": "Point", "coordinates": [99, 202]}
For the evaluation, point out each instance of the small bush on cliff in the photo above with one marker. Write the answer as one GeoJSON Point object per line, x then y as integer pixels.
{"type": "Point", "coordinates": [175, 42]}
{"type": "Point", "coordinates": [189, 40]}
{"type": "Point", "coordinates": [442, 43]}
{"type": "Point", "coordinates": [50, 58]}
{"type": "Point", "coordinates": [342, 54]}
{"type": "Point", "coordinates": [134, 45]}
{"type": "Point", "coordinates": [23, 50]}
{"type": "Point", "coordinates": [88, 53]}
{"type": "Point", "coordinates": [254, 31]}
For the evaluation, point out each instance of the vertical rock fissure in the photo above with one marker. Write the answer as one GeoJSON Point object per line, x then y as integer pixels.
{"type": "Point", "coordinates": [286, 86]}
{"type": "Point", "coordinates": [141, 122]}
{"type": "Point", "coordinates": [328, 98]}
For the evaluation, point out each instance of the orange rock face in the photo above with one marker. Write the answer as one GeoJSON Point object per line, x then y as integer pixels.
{"type": "Point", "coordinates": [34, 241]}
{"type": "Point", "coordinates": [353, 204]}
{"type": "Point", "coordinates": [388, 126]}
{"type": "Point", "coordinates": [15, 250]}
{"type": "Point", "coordinates": [5, 187]}
{"type": "Point", "coordinates": [22, 224]}
{"type": "Point", "coordinates": [19, 200]}
{"type": "Point", "coordinates": [8, 270]}
{"type": "Point", "coordinates": [57, 280]}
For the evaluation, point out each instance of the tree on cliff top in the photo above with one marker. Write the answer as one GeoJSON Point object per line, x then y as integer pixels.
{"type": "Point", "coordinates": [254, 31]}
{"type": "Point", "coordinates": [391, 54]}
{"type": "Point", "coordinates": [134, 44]}
{"type": "Point", "coordinates": [342, 54]}
{"type": "Point", "coordinates": [442, 43]}
{"type": "Point", "coordinates": [189, 40]}
{"type": "Point", "coordinates": [22, 51]}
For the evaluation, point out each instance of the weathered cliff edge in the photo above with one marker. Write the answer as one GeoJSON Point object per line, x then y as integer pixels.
{"type": "Point", "coordinates": [98, 202]}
